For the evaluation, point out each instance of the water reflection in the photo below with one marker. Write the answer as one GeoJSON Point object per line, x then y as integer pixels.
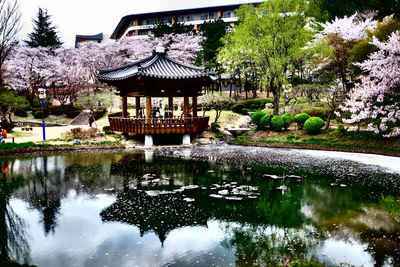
{"type": "Point", "coordinates": [14, 245]}
{"type": "Point", "coordinates": [123, 209]}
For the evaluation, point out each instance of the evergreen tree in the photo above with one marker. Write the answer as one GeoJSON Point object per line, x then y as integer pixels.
{"type": "Point", "coordinates": [213, 32]}
{"type": "Point", "coordinates": [44, 34]}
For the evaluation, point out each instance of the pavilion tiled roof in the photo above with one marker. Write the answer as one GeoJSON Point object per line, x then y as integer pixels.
{"type": "Point", "coordinates": [159, 65]}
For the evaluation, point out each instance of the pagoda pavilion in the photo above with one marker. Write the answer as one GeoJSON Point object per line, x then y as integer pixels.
{"type": "Point", "coordinates": [158, 76]}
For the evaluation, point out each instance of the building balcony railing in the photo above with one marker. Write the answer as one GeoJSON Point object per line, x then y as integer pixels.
{"type": "Point", "coordinates": [176, 125]}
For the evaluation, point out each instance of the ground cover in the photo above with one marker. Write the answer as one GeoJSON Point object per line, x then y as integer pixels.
{"type": "Point", "coordinates": [352, 141]}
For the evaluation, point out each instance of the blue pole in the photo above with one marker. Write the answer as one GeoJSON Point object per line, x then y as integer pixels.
{"type": "Point", "coordinates": [43, 123]}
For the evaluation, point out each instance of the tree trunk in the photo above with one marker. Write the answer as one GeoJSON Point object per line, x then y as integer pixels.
{"type": "Point", "coordinates": [328, 121]}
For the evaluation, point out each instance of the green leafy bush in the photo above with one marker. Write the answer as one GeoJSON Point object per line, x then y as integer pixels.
{"type": "Point", "coordinates": [277, 123]}
{"type": "Point", "coordinates": [21, 112]}
{"type": "Point", "coordinates": [300, 119]}
{"type": "Point", "coordinates": [316, 112]}
{"type": "Point", "coordinates": [57, 110]}
{"type": "Point", "coordinates": [314, 125]}
{"type": "Point", "coordinates": [38, 114]}
{"type": "Point", "coordinates": [253, 104]}
{"type": "Point", "coordinates": [287, 119]}
{"type": "Point", "coordinates": [266, 121]}
{"type": "Point", "coordinates": [244, 111]}
{"type": "Point", "coordinates": [256, 118]}
{"type": "Point", "coordinates": [238, 108]}
{"type": "Point", "coordinates": [341, 129]}
{"type": "Point", "coordinates": [214, 127]}
{"type": "Point", "coordinates": [100, 113]}
{"type": "Point", "coordinates": [107, 129]}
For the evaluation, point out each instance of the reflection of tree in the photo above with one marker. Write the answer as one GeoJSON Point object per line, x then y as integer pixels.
{"type": "Point", "coordinates": [13, 243]}
{"type": "Point", "coordinates": [269, 245]}
{"type": "Point", "coordinates": [349, 214]}
{"type": "Point", "coordinates": [161, 213]}
{"type": "Point", "coordinates": [45, 197]}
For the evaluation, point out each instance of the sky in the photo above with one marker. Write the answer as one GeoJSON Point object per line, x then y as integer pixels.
{"type": "Point", "coordinates": [89, 17]}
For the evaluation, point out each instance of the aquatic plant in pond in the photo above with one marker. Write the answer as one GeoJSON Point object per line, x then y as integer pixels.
{"type": "Point", "coordinates": [215, 206]}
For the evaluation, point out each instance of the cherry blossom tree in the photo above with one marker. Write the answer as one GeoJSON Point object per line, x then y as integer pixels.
{"type": "Point", "coordinates": [69, 70]}
{"type": "Point", "coordinates": [29, 69]}
{"type": "Point", "coordinates": [377, 98]}
{"type": "Point", "coordinates": [340, 36]}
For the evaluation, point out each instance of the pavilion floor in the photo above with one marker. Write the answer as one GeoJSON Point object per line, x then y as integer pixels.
{"type": "Point", "coordinates": [176, 125]}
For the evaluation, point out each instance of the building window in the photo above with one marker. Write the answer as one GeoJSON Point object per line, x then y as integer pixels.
{"type": "Point", "coordinates": [203, 16]}
{"type": "Point", "coordinates": [151, 21]}
{"type": "Point", "coordinates": [190, 18]}
{"type": "Point", "coordinates": [226, 14]}
{"type": "Point", "coordinates": [166, 20]}
{"type": "Point", "coordinates": [214, 15]}
{"type": "Point", "coordinates": [180, 19]}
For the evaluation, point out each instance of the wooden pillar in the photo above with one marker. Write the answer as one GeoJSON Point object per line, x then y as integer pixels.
{"type": "Point", "coordinates": [148, 108]}
{"type": "Point", "coordinates": [185, 106]}
{"type": "Point", "coordinates": [137, 105]}
{"type": "Point", "coordinates": [124, 106]}
{"type": "Point", "coordinates": [171, 105]}
{"type": "Point", "coordinates": [194, 106]}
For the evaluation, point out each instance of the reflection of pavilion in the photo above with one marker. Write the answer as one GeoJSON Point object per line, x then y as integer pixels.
{"type": "Point", "coordinates": [161, 213]}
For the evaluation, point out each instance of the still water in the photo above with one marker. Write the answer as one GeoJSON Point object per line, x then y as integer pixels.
{"type": "Point", "coordinates": [196, 208]}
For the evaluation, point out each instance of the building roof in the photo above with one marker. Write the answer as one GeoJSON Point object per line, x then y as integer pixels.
{"type": "Point", "coordinates": [127, 19]}
{"type": "Point", "coordinates": [159, 66]}
{"type": "Point", "coordinates": [98, 37]}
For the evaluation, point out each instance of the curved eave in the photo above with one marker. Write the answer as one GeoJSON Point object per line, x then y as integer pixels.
{"type": "Point", "coordinates": [155, 76]}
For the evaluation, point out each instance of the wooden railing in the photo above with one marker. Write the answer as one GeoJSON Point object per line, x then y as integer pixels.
{"type": "Point", "coordinates": [176, 125]}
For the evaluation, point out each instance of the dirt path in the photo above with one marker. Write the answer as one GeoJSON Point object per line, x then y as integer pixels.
{"type": "Point", "coordinates": [37, 133]}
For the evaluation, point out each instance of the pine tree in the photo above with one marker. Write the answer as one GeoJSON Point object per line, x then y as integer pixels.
{"type": "Point", "coordinates": [44, 34]}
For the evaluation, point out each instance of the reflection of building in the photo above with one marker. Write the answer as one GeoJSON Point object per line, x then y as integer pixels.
{"type": "Point", "coordinates": [142, 24]}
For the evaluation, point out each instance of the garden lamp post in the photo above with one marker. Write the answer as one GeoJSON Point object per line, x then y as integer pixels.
{"type": "Point", "coordinates": [42, 96]}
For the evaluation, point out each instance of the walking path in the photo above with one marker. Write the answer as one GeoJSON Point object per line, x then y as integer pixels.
{"type": "Point", "coordinates": [37, 133]}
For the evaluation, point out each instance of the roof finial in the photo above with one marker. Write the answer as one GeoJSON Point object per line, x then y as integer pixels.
{"type": "Point", "coordinates": [160, 48]}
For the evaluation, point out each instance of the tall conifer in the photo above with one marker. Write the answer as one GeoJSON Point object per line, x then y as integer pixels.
{"type": "Point", "coordinates": [44, 34]}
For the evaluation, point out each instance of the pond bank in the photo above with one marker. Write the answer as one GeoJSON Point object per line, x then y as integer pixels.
{"type": "Point", "coordinates": [329, 140]}
{"type": "Point", "coordinates": [32, 148]}
{"type": "Point", "coordinates": [339, 148]}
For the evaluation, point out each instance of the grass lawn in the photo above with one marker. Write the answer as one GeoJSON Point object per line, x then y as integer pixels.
{"type": "Point", "coordinates": [19, 134]}
{"type": "Point", "coordinates": [327, 140]}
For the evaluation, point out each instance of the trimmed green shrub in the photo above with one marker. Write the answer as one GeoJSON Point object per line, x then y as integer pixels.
{"type": "Point", "coordinates": [277, 123]}
{"type": "Point", "coordinates": [107, 129]}
{"type": "Point", "coordinates": [316, 112]}
{"type": "Point", "coordinates": [266, 121]}
{"type": "Point", "coordinates": [314, 125]}
{"type": "Point", "coordinates": [57, 110]}
{"type": "Point", "coordinates": [214, 127]}
{"type": "Point", "coordinates": [256, 118]}
{"type": "Point", "coordinates": [341, 129]}
{"type": "Point", "coordinates": [238, 108]}
{"type": "Point", "coordinates": [300, 119]}
{"type": "Point", "coordinates": [100, 113]}
{"type": "Point", "coordinates": [253, 104]}
{"type": "Point", "coordinates": [38, 114]}
{"type": "Point", "coordinates": [244, 111]}
{"type": "Point", "coordinates": [37, 104]}
{"type": "Point", "coordinates": [21, 113]}
{"type": "Point", "coordinates": [287, 119]}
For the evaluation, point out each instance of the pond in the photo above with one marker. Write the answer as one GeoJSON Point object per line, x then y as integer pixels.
{"type": "Point", "coordinates": [204, 206]}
